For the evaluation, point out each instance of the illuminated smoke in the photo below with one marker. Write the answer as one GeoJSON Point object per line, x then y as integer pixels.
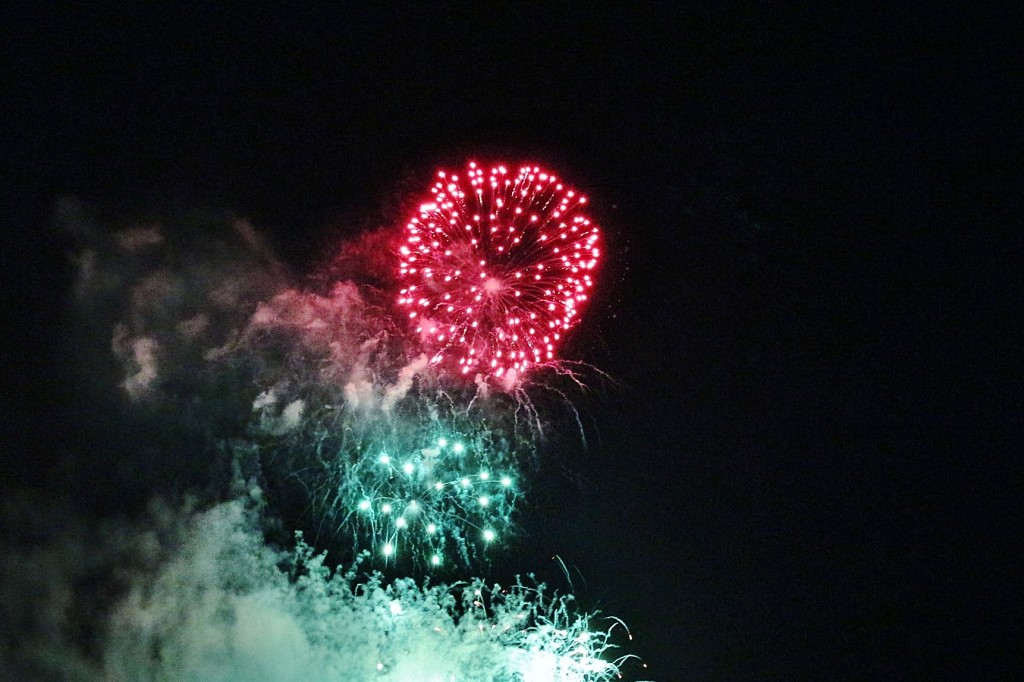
{"type": "Point", "coordinates": [201, 596]}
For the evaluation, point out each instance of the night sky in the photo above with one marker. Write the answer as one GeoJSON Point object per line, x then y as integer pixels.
{"type": "Point", "coordinates": [805, 463]}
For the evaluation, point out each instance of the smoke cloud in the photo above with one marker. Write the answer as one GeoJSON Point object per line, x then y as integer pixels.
{"type": "Point", "coordinates": [201, 596]}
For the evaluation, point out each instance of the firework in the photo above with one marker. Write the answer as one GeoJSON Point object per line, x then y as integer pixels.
{"type": "Point", "coordinates": [496, 267]}
{"type": "Point", "coordinates": [414, 475]}
{"type": "Point", "coordinates": [449, 498]}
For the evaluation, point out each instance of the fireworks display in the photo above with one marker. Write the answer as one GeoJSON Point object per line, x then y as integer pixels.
{"type": "Point", "coordinates": [428, 499]}
{"type": "Point", "coordinates": [320, 402]}
{"type": "Point", "coordinates": [496, 267]}
{"type": "Point", "coordinates": [422, 492]}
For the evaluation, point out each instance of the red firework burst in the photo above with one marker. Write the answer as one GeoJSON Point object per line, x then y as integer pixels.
{"type": "Point", "coordinates": [497, 266]}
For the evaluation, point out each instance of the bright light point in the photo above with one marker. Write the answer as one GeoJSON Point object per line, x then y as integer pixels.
{"type": "Point", "coordinates": [465, 483]}
{"type": "Point", "coordinates": [441, 442]}
{"type": "Point", "coordinates": [506, 481]}
{"type": "Point", "coordinates": [484, 475]}
{"type": "Point", "coordinates": [364, 505]}
{"type": "Point", "coordinates": [439, 486]}
{"type": "Point", "coordinates": [484, 501]}
{"type": "Point", "coordinates": [395, 607]}
{"type": "Point", "coordinates": [408, 467]}
{"type": "Point", "coordinates": [386, 508]}
{"type": "Point", "coordinates": [385, 459]}
{"type": "Point", "coordinates": [431, 528]}
{"type": "Point", "coordinates": [380, 666]}
{"type": "Point", "coordinates": [457, 448]}
{"type": "Point", "coordinates": [435, 560]}
{"type": "Point", "coordinates": [401, 522]}
{"type": "Point", "coordinates": [488, 535]}
{"type": "Point", "coordinates": [389, 549]}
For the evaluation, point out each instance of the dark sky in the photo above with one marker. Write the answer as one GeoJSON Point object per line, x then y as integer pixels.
{"type": "Point", "coordinates": [809, 464]}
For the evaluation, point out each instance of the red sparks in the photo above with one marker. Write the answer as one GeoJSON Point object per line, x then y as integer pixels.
{"type": "Point", "coordinates": [497, 266]}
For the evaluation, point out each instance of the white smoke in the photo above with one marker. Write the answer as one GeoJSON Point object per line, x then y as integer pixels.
{"type": "Point", "coordinates": [201, 596]}
{"type": "Point", "coordinates": [139, 356]}
{"type": "Point", "coordinates": [400, 388]}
